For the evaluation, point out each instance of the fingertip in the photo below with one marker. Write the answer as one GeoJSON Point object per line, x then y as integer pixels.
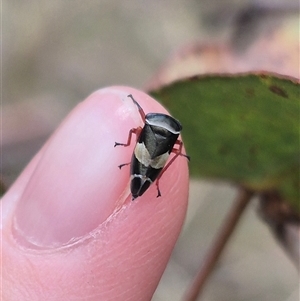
{"type": "Point", "coordinates": [69, 204]}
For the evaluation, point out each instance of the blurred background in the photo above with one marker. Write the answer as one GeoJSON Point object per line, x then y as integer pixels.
{"type": "Point", "coordinates": [56, 53]}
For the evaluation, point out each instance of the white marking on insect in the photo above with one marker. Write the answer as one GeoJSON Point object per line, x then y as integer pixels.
{"type": "Point", "coordinates": [144, 178]}
{"type": "Point", "coordinates": [162, 124]}
{"type": "Point", "coordinates": [143, 156]}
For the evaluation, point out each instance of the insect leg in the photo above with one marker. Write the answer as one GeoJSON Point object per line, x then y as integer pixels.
{"type": "Point", "coordinates": [141, 111]}
{"type": "Point", "coordinates": [177, 153]}
{"type": "Point", "coordinates": [174, 150]}
{"type": "Point", "coordinates": [136, 131]}
{"type": "Point", "coordinates": [120, 166]}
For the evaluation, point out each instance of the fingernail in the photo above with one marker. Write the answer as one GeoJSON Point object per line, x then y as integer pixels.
{"type": "Point", "coordinates": [77, 184]}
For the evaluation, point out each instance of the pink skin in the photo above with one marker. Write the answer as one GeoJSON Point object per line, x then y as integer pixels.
{"type": "Point", "coordinates": [69, 228]}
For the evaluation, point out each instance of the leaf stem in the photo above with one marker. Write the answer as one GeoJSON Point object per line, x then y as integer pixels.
{"type": "Point", "coordinates": [243, 198]}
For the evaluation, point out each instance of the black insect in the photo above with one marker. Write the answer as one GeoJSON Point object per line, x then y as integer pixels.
{"type": "Point", "coordinates": [155, 142]}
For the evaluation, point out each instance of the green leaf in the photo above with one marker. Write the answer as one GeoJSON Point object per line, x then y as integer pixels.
{"type": "Point", "coordinates": [241, 128]}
